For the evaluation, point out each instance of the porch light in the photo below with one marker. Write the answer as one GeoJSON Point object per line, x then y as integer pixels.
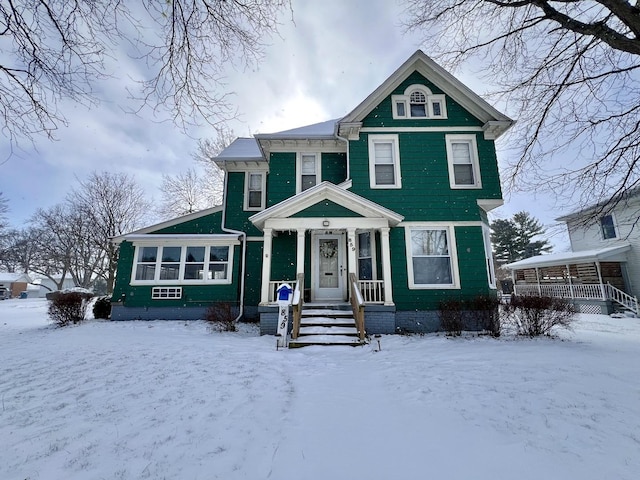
{"type": "Point", "coordinates": [325, 223]}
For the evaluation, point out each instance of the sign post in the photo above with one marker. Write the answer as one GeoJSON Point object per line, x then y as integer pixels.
{"type": "Point", "coordinates": [283, 293]}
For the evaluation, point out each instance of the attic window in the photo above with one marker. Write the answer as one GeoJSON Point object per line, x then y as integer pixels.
{"type": "Point", "coordinates": [420, 103]}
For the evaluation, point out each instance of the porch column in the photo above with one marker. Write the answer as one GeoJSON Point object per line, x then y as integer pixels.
{"type": "Point", "coordinates": [352, 259]}
{"type": "Point", "coordinates": [570, 282]}
{"type": "Point", "coordinates": [385, 253]}
{"type": "Point", "coordinates": [266, 266]}
{"type": "Point", "coordinates": [602, 291]}
{"type": "Point", "coordinates": [300, 251]}
{"type": "Point", "coordinates": [538, 280]}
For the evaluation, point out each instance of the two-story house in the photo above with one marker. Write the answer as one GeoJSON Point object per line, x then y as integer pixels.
{"type": "Point", "coordinates": [385, 207]}
{"type": "Point", "coordinates": [602, 271]}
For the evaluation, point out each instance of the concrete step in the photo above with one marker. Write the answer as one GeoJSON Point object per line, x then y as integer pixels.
{"type": "Point", "coordinates": [326, 321]}
{"type": "Point", "coordinates": [328, 330]}
{"type": "Point", "coordinates": [325, 312]}
{"type": "Point", "coordinates": [325, 340]}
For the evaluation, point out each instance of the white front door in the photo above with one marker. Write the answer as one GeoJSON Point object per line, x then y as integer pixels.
{"type": "Point", "coordinates": [329, 268]}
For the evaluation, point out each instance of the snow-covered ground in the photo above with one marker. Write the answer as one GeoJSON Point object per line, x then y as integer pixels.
{"type": "Point", "coordinates": [171, 400]}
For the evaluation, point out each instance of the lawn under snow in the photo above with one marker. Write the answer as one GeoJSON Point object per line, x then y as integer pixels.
{"type": "Point", "coordinates": [171, 400]}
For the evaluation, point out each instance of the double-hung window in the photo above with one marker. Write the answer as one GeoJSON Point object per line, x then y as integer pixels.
{"type": "Point", "coordinates": [308, 168]}
{"type": "Point", "coordinates": [384, 161]}
{"type": "Point", "coordinates": [608, 227]}
{"type": "Point", "coordinates": [462, 158]}
{"type": "Point", "coordinates": [365, 256]}
{"type": "Point", "coordinates": [254, 198]}
{"type": "Point", "coordinates": [431, 257]}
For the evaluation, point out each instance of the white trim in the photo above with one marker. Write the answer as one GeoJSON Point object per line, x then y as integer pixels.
{"type": "Point", "coordinates": [470, 223]}
{"type": "Point", "coordinates": [419, 129]}
{"type": "Point", "coordinates": [453, 255]}
{"type": "Point", "coordinates": [263, 192]}
{"type": "Point", "coordinates": [488, 204]}
{"type": "Point", "coordinates": [317, 164]}
{"type": "Point", "coordinates": [473, 152]}
{"type": "Point", "coordinates": [166, 293]}
{"type": "Point", "coordinates": [488, 255]}
{"type": "Point", "coordinates": [340, 292]}
{"type": "Point", "coordinates": [395, 150]}
{"type": "Point", "coordinates": [182, 239]}
{"type": "Point", "coordinates": [318, 223]}
{"type": "Point", "coordinates": [183, 252]}
{"type": "Point", "coordinates": [255, 239]}
{"type": "Point", "coordinates": [372, 242]}
{"type": "Point", "coordinates": [430, 99]}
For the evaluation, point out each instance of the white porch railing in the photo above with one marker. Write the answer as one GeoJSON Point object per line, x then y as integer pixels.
{"type": "Point", "coordinates": [273, 286]}
{"type": "Point", "coordinates": [592, 291]}
{"type": "Point", "coordinates": [372, 290]}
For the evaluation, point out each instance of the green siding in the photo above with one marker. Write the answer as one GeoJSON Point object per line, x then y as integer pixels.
{"type": "Point", "coordinates": [207, 224]}
{"type": "Point", "coordinates": [281, 182]}
{"type": "Point", "coordinates": [253, 275]}
{"type": "Point", "coordinates": [192, 295]}
{"type": "Point", "coordinates": [283, 256]}
{"type": "Point", "coordinates": [334, 167]}
{"type": "Point", "coordinates": [326, 208]}
{"type": "Point", "coordinates": [236, 217]}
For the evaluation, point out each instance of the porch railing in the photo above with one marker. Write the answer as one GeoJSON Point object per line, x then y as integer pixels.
{"type": "Point", "coordinates": [590, 291]}
{"type": "Point", "coordinates": [273, 286]}
{"type": "Point", "coordinates": [372, 290]}
{"type": "Point", "coordinates": [357, 305]}
{"type": "Point", "coordinates": [297, 301]}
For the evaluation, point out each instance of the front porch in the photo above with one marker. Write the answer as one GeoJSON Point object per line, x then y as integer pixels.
{"type": "Point", "coordinates": [596, 281]}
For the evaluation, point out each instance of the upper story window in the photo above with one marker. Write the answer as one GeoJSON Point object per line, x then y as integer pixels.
{"type": "Point", "coordinates": [384, 161]}
{"type": "Point", "coordinates": [308, 171]}
{"type": "Point", "coordinates": [462, 158]}
{"type": "Point", "coordinates": [419, 102]}
{"type": "Point", "coordinates": [182, 264]}
{"type": "Point", "coordinates": [608, 227]}
{"type": "Point", "coordinates": [254, 191]}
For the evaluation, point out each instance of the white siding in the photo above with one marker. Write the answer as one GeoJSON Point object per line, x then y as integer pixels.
{"type": "Point", "coordinates": [628, 230]}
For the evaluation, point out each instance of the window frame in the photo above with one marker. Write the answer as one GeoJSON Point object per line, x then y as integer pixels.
{"type": "Point", "coordinates": [430, 100]}
{"type": "Point", "coordinates": [372, 256]}
{"type": "Point", "coordinates": [182, 265]}
{"type": "Point", "coordinates": [453, 256]}
{"type": "Point", "coordinates": [263, 196]}
{"type": "Point", "coordinates": [395, 149]}
{"type": "Point", "coordinates": [318, 165]}
{"type": "Point", "coordinates": [471, 140]}
{"type": "Point", "coordinates": [488, 254]}
{"type": "Point", "coordinates": [614, 225]}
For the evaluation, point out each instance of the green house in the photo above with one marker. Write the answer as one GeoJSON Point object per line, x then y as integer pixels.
{"type": "Point", "coordinates": [383, 210]}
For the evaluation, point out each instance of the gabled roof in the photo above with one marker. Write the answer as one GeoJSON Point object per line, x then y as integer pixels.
{"type": "Point", "coordinates": [326, 191]}
{"type": "Point", "coordinates": [603, 206]}
{"type": "Point", "coordinates": [614, 253]}
{"type": "Point", "coordinates": [167, 224]}
{"type": "Point", "coordinates": [14, 278]}
{"type": "Point", "coordinates": [495, 123]}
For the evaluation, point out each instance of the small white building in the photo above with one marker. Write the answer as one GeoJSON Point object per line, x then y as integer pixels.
{"type": "Point", "coordinates": [14, 283]}
{"type": "Point", "coordinates": [602, 272]}
{"type": "Point", "coordinates": [46, 285]}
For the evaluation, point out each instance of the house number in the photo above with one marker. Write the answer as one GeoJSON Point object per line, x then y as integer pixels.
{"type": "Point", "coordinates": [352, 246]}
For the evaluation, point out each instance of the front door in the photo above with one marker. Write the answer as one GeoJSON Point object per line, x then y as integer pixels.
{"type": "Point", "coordinates": [329, 268]}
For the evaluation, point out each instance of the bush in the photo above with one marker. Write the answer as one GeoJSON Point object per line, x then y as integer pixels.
{"type": "Point", "coordinates": [221, 317]}
{"type": "Point", "coordinates": [451, 316]}
{"type": "Point", "coordinates": [67, 308]}
{"type": "Point", "coordinates": [534, 316]}
{"type": "Point", "coordinates": [102, 307]}
{"type": "Point", "coordinates": [486, 311]}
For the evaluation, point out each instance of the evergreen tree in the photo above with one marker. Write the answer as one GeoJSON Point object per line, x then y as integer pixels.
{"type": "Point", "coordinates": [513, 239]}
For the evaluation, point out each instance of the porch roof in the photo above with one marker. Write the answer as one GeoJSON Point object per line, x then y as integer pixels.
{"type": "Point", "coordinates": [326, 191]}
{"type": "Point", "coordinates": [616, 253]}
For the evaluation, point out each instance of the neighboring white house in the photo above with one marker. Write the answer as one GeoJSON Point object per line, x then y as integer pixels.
{"type": "Point", "coordinates": [46, 285]}
{"type": "Point", "coordinates": [13, 284]}
{"type": "Point", "coordinates": [603, 269]}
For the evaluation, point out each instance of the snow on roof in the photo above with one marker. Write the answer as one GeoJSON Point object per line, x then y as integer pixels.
{"type": "Point", "coordinates": [241, 149]}
{"type": "Point", "coordinates": [322, 129]}
{"type": "Point", "coordinates": [14, 277]}
{"type": "Point", "coordinates": [583, 256]}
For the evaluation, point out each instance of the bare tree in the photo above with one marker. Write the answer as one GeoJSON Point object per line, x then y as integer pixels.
{"type": "Point", "coordinates": [184, 193]}
{"type": "Point", "coordinates": [114, 204]}
{"type": "Point", "coordinates": [570, 72]}
{"type": "Point", "coordinates": [60, 49]}
{"type": "Point", "coordinates": [207, 149]}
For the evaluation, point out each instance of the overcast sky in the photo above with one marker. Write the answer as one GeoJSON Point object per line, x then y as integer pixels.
{"type": "Point", "coordinates": [324, 63]}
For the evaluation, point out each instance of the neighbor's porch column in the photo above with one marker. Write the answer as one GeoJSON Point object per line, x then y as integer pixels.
{"type": "Point", "coordinates": [602, 286]}
{"type": "Point", "coordinates": [266, 266]}
{"type": "Point", "coordinates": [300, 251]}
{"type": "Point", "coordinates": [385, 253]}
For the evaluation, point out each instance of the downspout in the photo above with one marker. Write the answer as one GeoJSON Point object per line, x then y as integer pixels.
{"type": "Point", "coordinates": [244, 243]}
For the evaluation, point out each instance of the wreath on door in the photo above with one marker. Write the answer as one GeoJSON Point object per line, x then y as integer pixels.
{"type": "Point", "coordinates": [328, 249]}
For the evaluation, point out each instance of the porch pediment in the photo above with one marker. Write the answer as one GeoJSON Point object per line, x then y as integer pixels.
{"type": "Point", "coordinates": [327, 201]}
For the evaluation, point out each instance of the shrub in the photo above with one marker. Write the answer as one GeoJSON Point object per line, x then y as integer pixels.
{"type": "Point", "coordinates": [534, 315]}
{"type": "Point", "coordinates": [221, 317]}
{"type": "Point", "coordinates": [451, 316]}
{"type": "Point", "coordinates": [486, 311]}
{"type": "Point", "coordinates": [102, 307]}
{"type": "Point", "coordinates": [67, 308]}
